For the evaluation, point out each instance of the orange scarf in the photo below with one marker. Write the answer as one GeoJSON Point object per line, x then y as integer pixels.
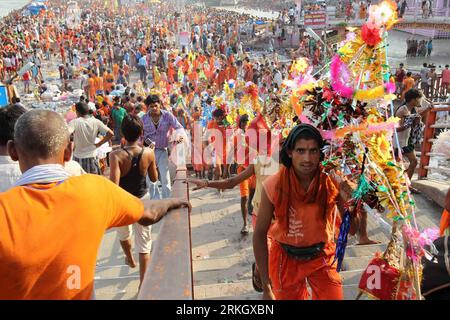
{"type": "Point", "coordinates": [290, 187]}
{"type": "Point", "coordinates": [445, 222]}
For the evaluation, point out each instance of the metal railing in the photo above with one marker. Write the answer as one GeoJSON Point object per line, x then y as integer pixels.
{"type": "Point", "coordinates": [169, 274]}
{"type": "Point", "coordinates": [429, 138]}
{"type": "Point", "coordinates": [436, 91]}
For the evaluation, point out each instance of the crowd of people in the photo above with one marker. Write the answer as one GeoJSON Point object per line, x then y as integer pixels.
{"type": "Point", "coordinates": [156, 81]}
{"type": "Point", "coordinates": [427, 79]}
{"type": "Point", "coordinates": [419, 48]}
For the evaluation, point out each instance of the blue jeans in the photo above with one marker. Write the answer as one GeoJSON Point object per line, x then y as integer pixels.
{"type": "Point", "coordinates": [142, 73]}
{"type": "Point", "coordinates": [162, 161]}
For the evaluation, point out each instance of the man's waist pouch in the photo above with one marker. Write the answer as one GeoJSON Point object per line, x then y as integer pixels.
{"type": "Point", "coordinates": [304, 253]}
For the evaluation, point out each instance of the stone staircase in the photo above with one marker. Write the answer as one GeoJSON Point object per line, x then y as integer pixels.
{"type": "Point", "coordinates": [355, 262]}
{"type": "Point", "coordinates": [222, 257]}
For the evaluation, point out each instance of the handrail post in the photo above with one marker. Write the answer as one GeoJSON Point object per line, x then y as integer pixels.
{"type": "Point", "coordinates": [169, 275]}
{"type": "Point", "coordinates": [428, 135]}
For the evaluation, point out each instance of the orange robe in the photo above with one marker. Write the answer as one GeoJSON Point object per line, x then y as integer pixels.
{"type": "Point", "coordinates": [232, 73]}
{"type": "Point", "coordinates": [302, 218]}
{"type": "Point", "coordinates": [92, 89]}
{"type": "Point", "coordinates": [220, 142]}
{"type": "Point", "coordinates": [171, 73]}
{"type": "Point", "coordinates": [108, 81]}
{"type": "Point", "coordinates": [98, 84]}
{"type": "Point", "coordinates": [115, 71]}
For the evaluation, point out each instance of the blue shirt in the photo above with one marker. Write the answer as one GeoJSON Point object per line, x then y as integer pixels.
{"type": "Point", "coordinates": [143, 61]}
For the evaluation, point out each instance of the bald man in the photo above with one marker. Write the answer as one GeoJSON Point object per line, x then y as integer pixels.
{"type": "Point", "coordinates": [51, 224]}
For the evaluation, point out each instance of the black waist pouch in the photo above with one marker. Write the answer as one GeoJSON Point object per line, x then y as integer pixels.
{"type": "Point", "coordinates": [304, 253]}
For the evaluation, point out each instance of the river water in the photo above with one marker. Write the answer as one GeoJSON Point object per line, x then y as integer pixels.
{"type": "Point", "coordinates": [396, 40]}
{"type": "Point", "coordinates": [7, 5]}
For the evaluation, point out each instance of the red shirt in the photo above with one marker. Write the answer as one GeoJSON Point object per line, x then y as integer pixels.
{"type": "Point", "coordinates": [26, 76]}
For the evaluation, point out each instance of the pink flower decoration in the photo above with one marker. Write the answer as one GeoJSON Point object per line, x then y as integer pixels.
{"type": "Point", "coordinates": [340, 76]}
{"type": "Point", "coordinates": [428, 236]}
{"type": "Point", "coordinates": [390, 87]}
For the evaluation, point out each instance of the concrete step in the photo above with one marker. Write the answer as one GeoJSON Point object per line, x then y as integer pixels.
{"type": "Point", "coordinates": [220, 290]}
{"type": "Point", "coordinates": [356, 263]}
{"type": "Point", "coordinates": [364, 250]}
{"type": "Point", "coordinates": [119, 289]}
{"type": "Point", "coordinates": [351, 292]}
{"type": "Point", "coordinates": [379, 234]}
{"type": "Point", "coordinates": [222, 270]}
{"type": "Point", "coordinates": [116, 272]}
{"type": "Point", "coordinates": [248, 296]}
{"type": "Point", "coordinates": [218, 264]}
{"type": "Point", "coordinates": [351, 277]}
{"type": "Point", "coordinates": [221, 276]}
{"type": "Point", "coordinates": [435, 190]}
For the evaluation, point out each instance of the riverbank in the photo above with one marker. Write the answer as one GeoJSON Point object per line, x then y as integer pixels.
{"type": "Point", "coordinates": [7, 6]}
{"type": "Point", "coordinates": [396, 41]}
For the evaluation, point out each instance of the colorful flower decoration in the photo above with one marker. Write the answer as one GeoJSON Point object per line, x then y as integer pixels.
{"type": "Point", "coordinates": [370, 33]}
{"type": "Point", "coordinates": [383, 15]}
{"type": "Point", "coordinates": [349, 105]}
{"type": "Point", "coordinates": [340, 78]}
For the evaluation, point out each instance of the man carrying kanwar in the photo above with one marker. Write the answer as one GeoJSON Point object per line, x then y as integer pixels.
{"type": "Point", "coordinates": [297, 211]}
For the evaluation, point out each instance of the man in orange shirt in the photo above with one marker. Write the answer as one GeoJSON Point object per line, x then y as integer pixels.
{"type": "Point", "coordinates": [91, 87]}
{"type": "Point", "coordinates": [50, 231]}
{"type": "Point", "coordinates": [171, 71]}
{"type": "Point", "coordinates": [248, 70]}
{"type": "Point", "coordinates": [98, 84]}
{"type": "Point", "coordinates": [108, 81]}
{"type": "Point", "coordinates": [298, 204]}
{"type": "Point", "coordinates": [408, 84]}
{"type": "Point", "coordinates": [216, 134]}
{"type": "Point", "coordinates": [116, 71]}
{"type": "Point", "coordinates": [220, 77]}
{"type": "Point", "coordinates": [232, 71]}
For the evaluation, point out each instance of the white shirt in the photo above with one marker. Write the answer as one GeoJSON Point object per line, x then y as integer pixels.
{"type": "Point", "coordinates": [9, 173]}
{"type": "Point", "coordinates": [7, 62]}
{"type": "Point", "coordinates": [85, 130]}
{"type": "Point", "coordinates": [278, 78]}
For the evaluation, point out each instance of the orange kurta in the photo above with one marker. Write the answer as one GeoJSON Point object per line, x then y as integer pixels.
{"type": "Point", "coordinates": [92, 89]}
{"type": "Point", "coordinates": [98, 84]}
{"type": "Point", "coordinates": [220, 143]}
{"type": "Point", "coordinates": [302, 218]}
{"type": "Point", "coordinates": [408, 84]}
{"type": "Point", "coordinates": [232, 73]}
{"type": "Point", "coordinates": [116, 71]}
